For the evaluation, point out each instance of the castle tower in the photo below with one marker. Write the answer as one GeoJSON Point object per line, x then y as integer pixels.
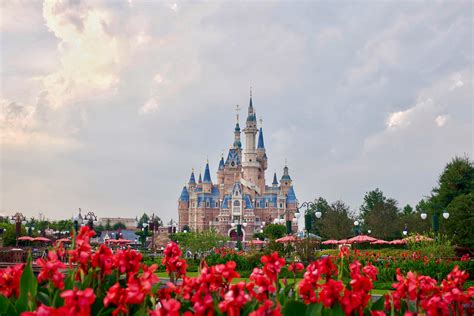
{"type": "Point", "coordinates": [220, 172]}
{"type": "Point", "coordinates": [285, 181]}
{"type": "Point", "coordinates": [262, 159]}
{"type": "Point", "coordinates": [250, 164]}
{"type": "Point", "coordinates": [192, 182]}
{"type": "Point", "coordinates": [206, 182]}
{"type": "Point", "coordinates": [275, 181]}
{"type": "Point", "coordinates": [183, 208]}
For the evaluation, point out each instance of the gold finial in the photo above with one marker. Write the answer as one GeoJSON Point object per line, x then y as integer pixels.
{"type": "Point", "coordinates": [237, 109]}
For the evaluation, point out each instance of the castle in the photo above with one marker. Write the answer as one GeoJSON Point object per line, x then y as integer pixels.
{"type": "Point", "coordinates": [241, 195]}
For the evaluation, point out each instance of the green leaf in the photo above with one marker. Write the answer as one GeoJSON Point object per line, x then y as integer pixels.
{"type": "Point", "coordinates": [6, 306]}
{"type": "Point", "coordinates": [314, 309]}
{"type": "Point", "coordinates": [294, 308]}
{"type": "Point", "coordinates": [379, 304]}
{"type": "Point", "coordinates": [43, 298]}
{"type": "Point", "coordinates": [28, 288]}
{"type": "Point", "coordinates": [337, 310]}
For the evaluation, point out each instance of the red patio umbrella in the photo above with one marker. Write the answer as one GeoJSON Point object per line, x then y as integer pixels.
{"type": "Point", "coordinates": [342, 242]}
{"type": "Point", "coordinates": [398, 242]}
{"type": "Point", "coordinates": [361, 239]}
{"type": "Point", "coordinates": [330, 242]}
{"type": "Point", "coordinates": [257, 242]}
{"type": "Point", "coordinates": [289, 238]}
{"type": "Point", "coordinates": [43, 239]}
{"type": "Point", "coordinates": [63, 240]}
{"type": "Point", "coordinates": [380, 242]}
{"type": "Point", "coordinates": [26, 238]}
{"type": "Point", "coordinates": [124, 241]}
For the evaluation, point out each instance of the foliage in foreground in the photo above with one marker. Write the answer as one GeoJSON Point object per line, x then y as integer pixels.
{"type": "Point", "coordinates": [104, 283]}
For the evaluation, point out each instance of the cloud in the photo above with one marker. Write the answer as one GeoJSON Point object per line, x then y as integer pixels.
{"type": "Point", "coordinates": [149, 107]}
{"type": "Point", "coordinates": [440, 120]}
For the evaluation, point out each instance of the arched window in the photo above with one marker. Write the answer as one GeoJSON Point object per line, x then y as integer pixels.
{"type": "Point", "coordinates": [236, 203]}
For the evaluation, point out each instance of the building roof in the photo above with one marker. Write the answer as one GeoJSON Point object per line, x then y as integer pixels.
{"type": "Point", "coordinates": [261, 144]}
{"type": "Point", "coordinates": [291, 197]}
{"type": "Point", "coordinates": [286, 175]}
{"type": "Point", "coordinates": [221, 164]}
{"type": "Point", "coordinates": [192, 180]}
{"type": "Point", "coordinates": [207, 174]}
{"type": "Point", "coordinates": [184, 195]}
{"type": "Point", "coordinates": [275, 181]}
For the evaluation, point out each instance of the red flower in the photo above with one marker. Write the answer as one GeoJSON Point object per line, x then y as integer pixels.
{"type": "Point", "coordinates": [116, 295]}
{"type": "Point", "coordinates": [168, 308]}
{"type": "Point", "coordinates": [104, 260]}
{"type": "Point", "coordinates": [272, 265]}
{"type": "Point", "coordinates": [343, 252]}
{"type": "Point", "coordinates": [81, 254]}
{"type": "Point", "coordinates": [331, 292]}
{"type": "Point", "coordinates": [10, 280]}
{"type": "Point", "coordinates": [50, 270]}
{"type": "Point", "coordinates": [296, 267]}
{"type": "Point", "coordinates": [44, 310]}
{"type": "Point", "coordinates": [127, 261]}
{"type": "Point", "coordinates": [234, 299]}
{"type": "Point", "coordinates": [171, 260]}
{"type": "Point", "coordinates": [465, 257]}
{"type": "Point", "coordinates": [78, 302]}
{"type": "Point", "coordinates": [377, 313]}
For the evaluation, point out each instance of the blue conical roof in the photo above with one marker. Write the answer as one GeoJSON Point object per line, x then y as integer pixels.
{"type": "Point", "coordinates": [291, 197]}
{"type": "Point", "coordinates": [200, 178]}
{"type": "Point", "coordinates": [184, 195]}
{"type": "Point", "coordinates": [221, 163]}
{"type": "Point", "coordinates": [207, 174]}
{"type": "Point", "coordinates": [286, 175]}
{"type": "Point", "coordinates": [261, 144]}
{"type": "Point", "coordinates": [275, 181]}
{"type": "Point", "coordinates": [192, 180]}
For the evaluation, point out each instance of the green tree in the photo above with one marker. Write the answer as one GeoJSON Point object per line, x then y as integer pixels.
{"type": "Point", "coordinates": [320, 205]}
{"type": "Point", "coordinates": [407, 210]}
{"type": "Point", "coordinates": [119, 225]}
{"type": "Point", "coordinates": [274, 231]}
{"type": "Point", "coordinates": [107, 225]}
{"type": "Point", "coordinates": [9, 235]}
{"type": "Point", "coordinates": [371, 200]}
{"type": "Point", "coordinates": [456, 179]}
{"type": "Point", "coordinates": [199, 242]}
{"type": "Point", "coordinates": [144, 219]}
{"type": "Point", "coordinates": [383, 220]}
{"type": "Point", "coordinates": [460, 224]}
{"type": "Point", "coordinates": [335, 222]}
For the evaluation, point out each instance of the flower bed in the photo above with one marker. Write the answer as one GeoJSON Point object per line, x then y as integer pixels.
{"type": "Point", "coordinates": [106, 283]}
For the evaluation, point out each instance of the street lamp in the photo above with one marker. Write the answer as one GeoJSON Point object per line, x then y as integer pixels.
{"type": "Point", "coordinates": [356, 227]}
{"type": "Point", "coordinates": [435, 219]}
{"type": "Point", "coordinates": [145, 234]}
{"type": "Point", "coordinates": [18, 219]}
{"type": "Point", "coordinates": [405, 230]}
{"type": "Point", "coordinates": [239, 233]}
{"type": "Point", "coordinates": [307, 216]}
{"type": "Point", "coordinates": [91, 218]}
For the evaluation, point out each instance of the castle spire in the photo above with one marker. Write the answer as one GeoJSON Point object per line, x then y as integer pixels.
{"type": "Point", "coordinates": [192, 180]}
{"type": "Point", "coordinates": [237, 142]}
{"type": "Point", "coordinates": [275, 181]}
{"type": "Point", "coordinates": [207, 174]}
{"type": "Point", "coordinates": [200, 178]}
{"type": "Point", "coordinates": [286, 174]}
{"type": "Point", "coordinates": [221, 163]}
{"type": "Point", "coordinates": [261, 144]}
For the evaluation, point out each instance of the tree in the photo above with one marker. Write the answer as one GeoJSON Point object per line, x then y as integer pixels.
{"type": "Point", "coordinates": [199, 242]}
{"type": "Point", "coordinates": [320, 205]}
{"type": "Point", "coordinates": [382, 219]}
{"type": "Point", "coordinates": [371, 200]}
{"type": "Point", "coordinates": [407, 210]}
{"type": "Point", "coordinates": [456, 179]}
{"type": "Point", "coordinates": [460, 224]}
{"type": "Point", "coordinates": [144, 219]}
{"type": "Point", "coordinates": [107, 225]}
{"type": "Point", "coordinates": [335, 222]}
{"type": "Point", "coordinates": [274, 231]}
{"type": "Point", "coordinates": [119, 225]}
{"type": "Point", "coordinates": [9, 235]}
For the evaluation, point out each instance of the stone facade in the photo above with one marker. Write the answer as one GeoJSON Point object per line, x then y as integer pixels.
{"type": "Point", "coordinates": [241, 194]}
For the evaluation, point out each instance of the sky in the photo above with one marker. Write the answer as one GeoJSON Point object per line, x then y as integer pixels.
{"type": "Point", "coordinates": [108, 105]}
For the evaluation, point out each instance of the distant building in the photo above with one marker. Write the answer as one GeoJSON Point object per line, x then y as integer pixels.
{"type": "Point", "coordinates": [241, 194]}
{"type": "Point", "coordinates": [130, 223]}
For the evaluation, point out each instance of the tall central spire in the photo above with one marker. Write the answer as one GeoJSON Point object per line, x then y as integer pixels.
{"type": "Point", "coordinates": [237, 143]}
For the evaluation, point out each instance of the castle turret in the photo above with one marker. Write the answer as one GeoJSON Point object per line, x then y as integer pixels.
{"type": "Point", "coordinates": [275, 181]}
{"type": "Point", "coordinates": [192, 181]}
{"type": "Point", "coordinates": [220, 172]}
{"type": "Point", "coordinates": [250, 164]}
{"type": "Point", "coordinates": [206, 182]}
{"type": "Point", "coordinates": [285, 181]}
{"type": "Point", "coordinates": [262, 159]}
{"type": "Point", "coordinates": [183, 208]}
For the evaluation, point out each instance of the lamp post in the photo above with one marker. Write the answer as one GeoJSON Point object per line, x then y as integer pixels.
{"type": "Point", "coordinates": [18, 219]}
{"type": "Point", "coordinates": [239, 233]}
{"type": "Point", "coordinates": [405, 230]}
{"type": "Point", "coordinates": [145, 234]}
{"type": "Point", "coordinates": [91, 218]}
{"type": "Point", "coordinates": [357, 228]}
{"type": "Point", "coordinates": [435, 220]}
{"type": "Point", "coordinates": [307, 216]}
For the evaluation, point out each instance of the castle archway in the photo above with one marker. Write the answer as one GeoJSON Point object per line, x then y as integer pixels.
{"type": "Point", "coordinates": [232, 233]}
